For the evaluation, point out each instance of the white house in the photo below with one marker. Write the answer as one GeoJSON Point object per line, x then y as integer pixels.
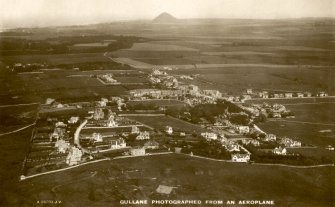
{"type": "Point", "coordinates": [279, 151]}
{"type": "Point", "coordinates": [135, 130]}
{"type": "Point", "coordinates": [97, 137]}
{"type": "Point", "coordinates": [240, 157]}
{"type": "Point", "coordinates": [143, 135]}
{"type": "Point", "coordinates": [243, 129]}
{"type": "Point", "coordinates": [168, 130]}
{"type": "Point", "coordinates": [288, 95]}
{"type": "Point", "coordinates": [62, 146]}
{"type": "Point", "coordinates": [270, 137]}
{"type": "Point", "coordinates": [74, 156]}
{"type": "Point", "coordinates": [151, 144]}
{"type": "Point", "coordinates": [209, 135]}
{"type": "Point", "coordinates": [73, 120]}
{"type": "Point", "coordinates": [118, 143]}
{"type": "Point", "coordinates": [233, 147]}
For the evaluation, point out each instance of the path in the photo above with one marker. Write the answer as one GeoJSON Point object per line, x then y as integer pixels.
{"type": "Point", "coordinates": [302, 122]}
{"type": "Point", "coordinates": [14, 105]}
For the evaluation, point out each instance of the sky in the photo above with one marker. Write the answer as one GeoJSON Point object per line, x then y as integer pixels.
{"type": "Point", "coordinates": [39, 13]}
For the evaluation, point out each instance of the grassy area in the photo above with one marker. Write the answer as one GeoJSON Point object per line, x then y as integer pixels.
{"type": "Point", "coordinates": [137, 178]}
{"type": "Point", "coordinates": [160, 122]}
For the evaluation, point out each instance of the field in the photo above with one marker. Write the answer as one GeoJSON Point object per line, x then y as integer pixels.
{"type": "Point", "coordinates": [160, 122]}
{"type": "Point", "coordinates": [158, 47]}
{"type": "Point", "coordinates": [55, 59]}
{"type": "Point", "coordinates": [135, 178]}
{"type": "Point", "coordinates": [158, 102]}
{"type": "Point", "coordinates": [14, 148]}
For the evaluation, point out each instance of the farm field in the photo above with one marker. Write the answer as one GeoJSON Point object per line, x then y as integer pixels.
{"type": "Point", "coordinates": [160, 122]}
{"type": "Point", "coordinates": [55, 59]}
{"type": "Point", "coordinates": [159, 47]}
{"type": "Point", "coordinates": [110, 181]}
{"type": "Point", "coordinates": [158, 102]}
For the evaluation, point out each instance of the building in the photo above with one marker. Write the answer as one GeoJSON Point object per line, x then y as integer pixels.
{"type": "Point", "coordinates": [97, 137]}
{"type": "Point", "coordinates": [233, 147]}
{"type": "Point", "coordinates": [209, 135]}
{"type": "Point", "coordinates": [249, 91]}
{"type": "Point", "coordinates": [288, 95]}
{"type": "Point", "coordinates": [137, 151]}
{"type": "Point", "coordinates": [169, 130]}
{"type": "Point", "coordinates": [62, 146]}
{"type": "Point", "coordinates": [287, 142]}
{"type": "Point", "coordinates": [135, 130]}
{"type": "Point", "coordinates": [330, 148]}
{"type": "Point", "coordinates": [73, 120]}
{"type": "Point", "coordinates": [243, 129]}
{"type": "Point", "coordinates": [98, 114]}
{"type": "Point", "coordinates": [151, 144]}
{"type": "Point", "coordinates": [143, 135]}
{"type": "Point", "coordinates": [74, 156]}
{"type": "Point", "coordinates": [163, 189]}
{"type": "Point", "coordinates": [322, 94]}
{"type": "Point", "coordinates": [240, 157]}
{"type": "Point", "coordinates": [300, 95]}
{"type": "Point", "coordinates": [49, 101]}
{"type": "Point", "coordinates": [308, 94]}
{"type": "Point", "coordinates": [279, 151]}
{"type": "Point", "coordinates": [118, 143]}
{"type": "Point", "coordinates": [58, 133]}
{"type": "Point", "coordinates": [253, 142]}
{"type": "Point", "coordinates": [270, 137]}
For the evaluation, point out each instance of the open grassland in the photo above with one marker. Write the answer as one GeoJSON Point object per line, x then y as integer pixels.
{"type": "Point", "coordinates": [160, 122]}
{"type": "Point", "coordinates": [137, 178]}
{"type": "Point", "coordinates": [159, 47]}
{"type": "Point", "coordinates": [313, 124]}
{"type": "Point", "coordinates": [55, 59]}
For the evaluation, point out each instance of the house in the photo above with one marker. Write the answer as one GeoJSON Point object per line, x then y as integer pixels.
{"type": "Point", "coordinates": [118, 143]}
{"type": "Point", "coordinates": [288, 95]}
{"type": "Point", "coordinates": [240, 157]}
{"type": "Point", "coordinates": [308, 94]}
{"type": "Point", "coordinates": [62, 146]}
{"type": "Point", "coordinates": [98, 114]}
{"type": "Point", "coordinates": [300, 95]}
{"type": "Point", "coordinates": [49, 101]}
{"type": "Point", "coordinates": [287, 142]}
{"type": "Point", "coordinates": [74, 156]}
{"type": "Point", "coordinates": [249, 91]}
{"type": "Point", "coordinates": [253, 142]}
{"type": "Point", "coordinates": [270, 137]}
{"type": "Point", "coordinates": [135, 130]}
{"type": "Point", "coordinates": [137, 151]}
{"type": "Point", "coordinates": [151, 144]}
{"type": "Point", "coordinates": [322, 94]}
{"type": "Point", "coordinates": [168, 130]}
{"type": "Point", "coordinates": [330, 148]}
{"type": "Point", "coordinates": [233, 147]}
{"type": "Point", "coordinates": [97, 137]}
{"type": "Point", "coordinates": [73, 120]}
{"type": "Point", "coordinates": [209, 135]}
{"type": "Point", "coordinates": [279, 151]}
{"type": "Point", "coordinates": [163, 189]}
{"type": "Point", "coordinates": [60, 124]}
{"type": "Point", "coordinates": [182, 134]}
{"type": "Point", "coordinates": [242, 129]}
{"type": "Point", "coordinates": [143, 135]}
{"type": "Point", "coordinates": [58, 133]}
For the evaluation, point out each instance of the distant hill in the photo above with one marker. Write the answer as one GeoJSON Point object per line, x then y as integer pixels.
{"type": "Point", "coordinates": [165, 18]}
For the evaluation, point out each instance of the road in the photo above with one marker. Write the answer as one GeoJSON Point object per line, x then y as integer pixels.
{"type": "Point", "coordinates": [14, 105]}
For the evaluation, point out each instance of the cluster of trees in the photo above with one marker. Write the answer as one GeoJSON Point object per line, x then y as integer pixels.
{"type": "Point", "coordinates": [291, 159]}
{"type": "Point", "coordinates": [212, 149]}
{"type": "Point", "coordinates": [209, 111]}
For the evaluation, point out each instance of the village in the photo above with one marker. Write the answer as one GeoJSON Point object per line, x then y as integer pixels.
{"type": "Point", "coordinates": [104, 129]}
